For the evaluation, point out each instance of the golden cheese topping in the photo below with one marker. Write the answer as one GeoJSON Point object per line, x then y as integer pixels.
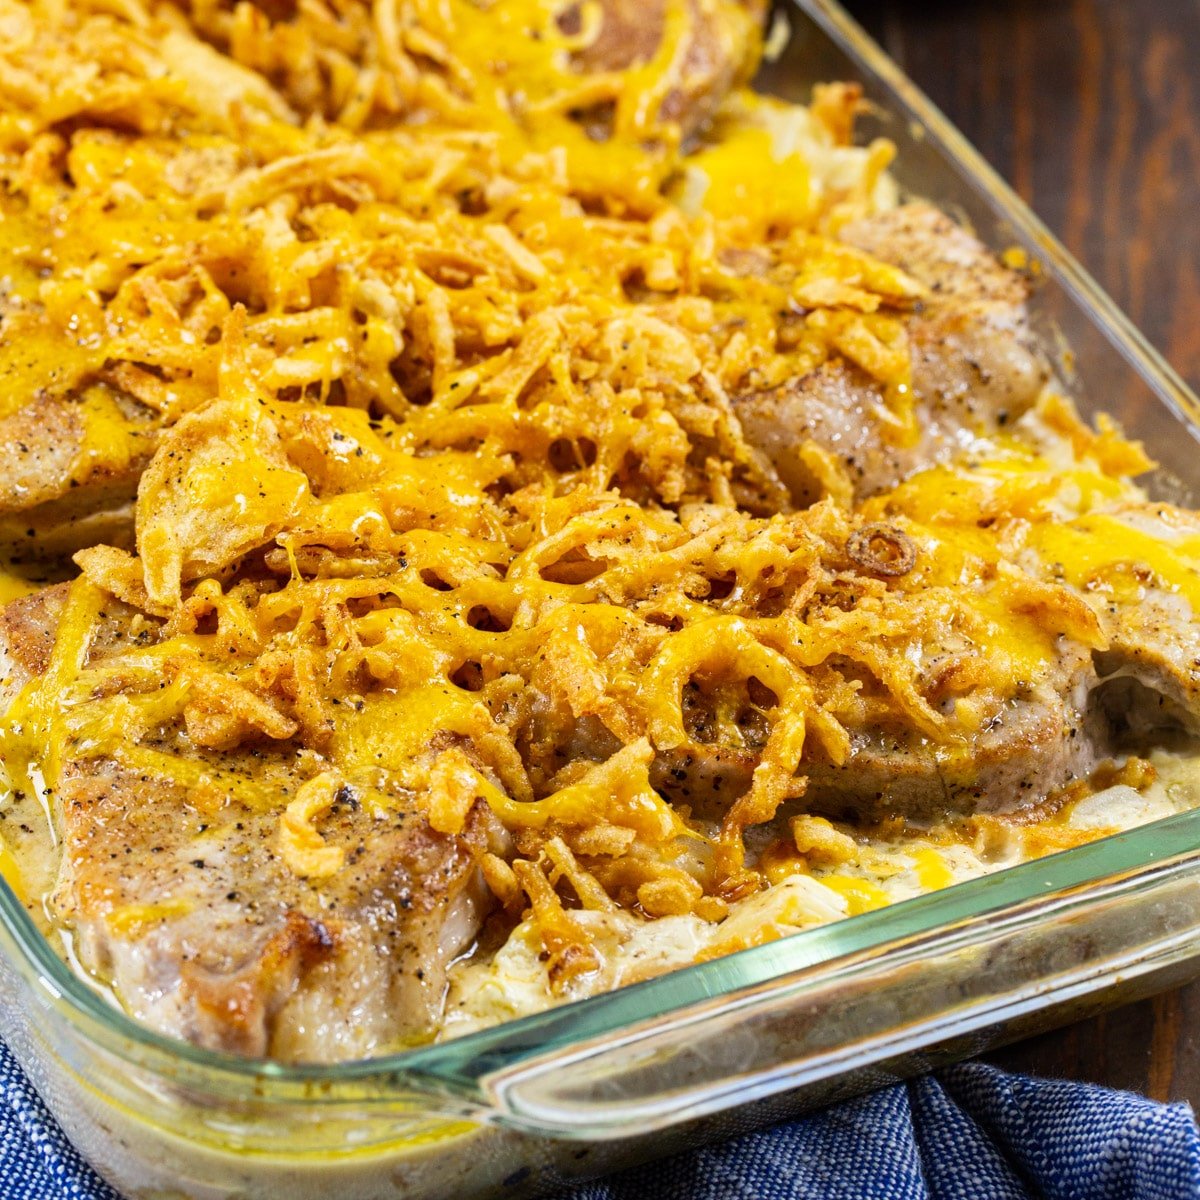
{"type": "Point", "coordinates": [423, 636]}
{"type": "Point", "coordinates": [450, 505]}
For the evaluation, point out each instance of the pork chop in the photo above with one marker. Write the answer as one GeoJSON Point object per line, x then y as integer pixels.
{"type": "Point", "coordinates": [975, 367]}
{"type": "Point", "coordinates": [1030, 746]}
{"type": "Point", "coordinates": [718, 48]}
{"type": "Point", "coordinates": [1141, 576]}
{"type": "Point", "coordinates": [207, 934]}
{"type": "Point", "coordinates": [721, 51]}
{"type": "Point", "coordinates": [69, 470]}
{"type": "Point", "coordinates": [175, 890]}
{"type": "Point", "coordinates": [1033, 739]}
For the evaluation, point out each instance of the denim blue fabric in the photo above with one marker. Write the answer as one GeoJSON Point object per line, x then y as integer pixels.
{"type": "Point", "coordinates": [971, 1132]}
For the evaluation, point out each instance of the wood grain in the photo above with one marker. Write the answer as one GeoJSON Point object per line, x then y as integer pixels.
{"type": "Point", "coordinates": [1091, 109]}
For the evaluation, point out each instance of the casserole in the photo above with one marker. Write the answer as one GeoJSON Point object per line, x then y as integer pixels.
{"type": "Point", "coordinates": [210, 1126]}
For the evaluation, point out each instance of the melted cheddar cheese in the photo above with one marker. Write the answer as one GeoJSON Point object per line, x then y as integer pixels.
{"type": "Point", "coordinates": [437, 332]}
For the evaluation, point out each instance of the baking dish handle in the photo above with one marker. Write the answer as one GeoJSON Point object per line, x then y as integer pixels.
{"type": "Point", "coordinates": [937, 977]}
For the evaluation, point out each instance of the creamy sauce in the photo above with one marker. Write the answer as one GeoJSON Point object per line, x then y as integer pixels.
{"type": "Point", "coordinates": [881, 871]}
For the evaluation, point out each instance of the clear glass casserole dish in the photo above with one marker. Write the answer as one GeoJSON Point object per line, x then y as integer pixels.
{"type": "Point", "coordinates": [722, 1046]}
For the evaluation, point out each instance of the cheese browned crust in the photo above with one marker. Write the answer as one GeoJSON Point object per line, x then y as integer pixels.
{"type": "Point", "coordinates": [541, 534]}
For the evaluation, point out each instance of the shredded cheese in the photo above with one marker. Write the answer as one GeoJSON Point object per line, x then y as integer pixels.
{"type": "Point", "coordinates": [436, 315]}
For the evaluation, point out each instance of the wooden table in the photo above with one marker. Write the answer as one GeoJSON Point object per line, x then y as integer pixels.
{"type": "Point", "coordinates": [1091, 109]}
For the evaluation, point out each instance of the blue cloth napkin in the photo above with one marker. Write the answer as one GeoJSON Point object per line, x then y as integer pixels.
{"type": "Point", "coordinates": [970, 1133]}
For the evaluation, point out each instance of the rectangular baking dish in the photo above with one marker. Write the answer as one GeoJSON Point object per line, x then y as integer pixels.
{"type": "Point", "coordinates": [717, 1048]}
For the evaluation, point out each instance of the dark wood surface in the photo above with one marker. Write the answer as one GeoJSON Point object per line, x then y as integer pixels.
{"type": "Point", "coordinates": [1091, 109]}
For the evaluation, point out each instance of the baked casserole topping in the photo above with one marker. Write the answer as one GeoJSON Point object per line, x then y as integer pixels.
{"type": "Point", "coordinates": [519, 512]}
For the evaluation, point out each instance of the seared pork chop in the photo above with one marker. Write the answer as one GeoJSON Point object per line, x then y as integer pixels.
{"type": "Point", "coordinates": [1028, 747]}
{"type": "Point", "coordinates": [206, 933]}
{"type": "Point", "coordinates": [1130, 681]}
{"type": "Point", "coordinates": [721, 51]}
{"type": "Point", "coordinates": [69, 470]}
{"type": "Point", "coordinates": [974, 365]}
{"type": "Point", "coordinates": [174, 887]}
{"type": "Point", "coordinates": [1139, 573]}
{"type": "Point", "coordinates": [719, 48]}
{"type": "Point", "coordinates": [1032, 740]}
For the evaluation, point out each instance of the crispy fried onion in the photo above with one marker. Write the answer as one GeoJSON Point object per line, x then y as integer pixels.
{"type": "Point", "coordinates": [882, 550]}
{"type": "Point", "coordinates": [300, 842]}
{"type": "Point", "coordinates": [578, 664]}
{"type": "Point", "coordinates": [449, 486]}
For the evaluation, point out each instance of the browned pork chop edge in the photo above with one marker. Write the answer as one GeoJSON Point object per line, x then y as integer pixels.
{"type": "Point", "coordinates": [179, 894]}
{"type": "Point", "coordinates": [27, 631]}
{"type": "Point", "coordinates": [54, 499]}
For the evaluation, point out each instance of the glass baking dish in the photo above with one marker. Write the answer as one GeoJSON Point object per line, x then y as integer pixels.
{"type": "Point", "coordinates": [716, 1048]}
